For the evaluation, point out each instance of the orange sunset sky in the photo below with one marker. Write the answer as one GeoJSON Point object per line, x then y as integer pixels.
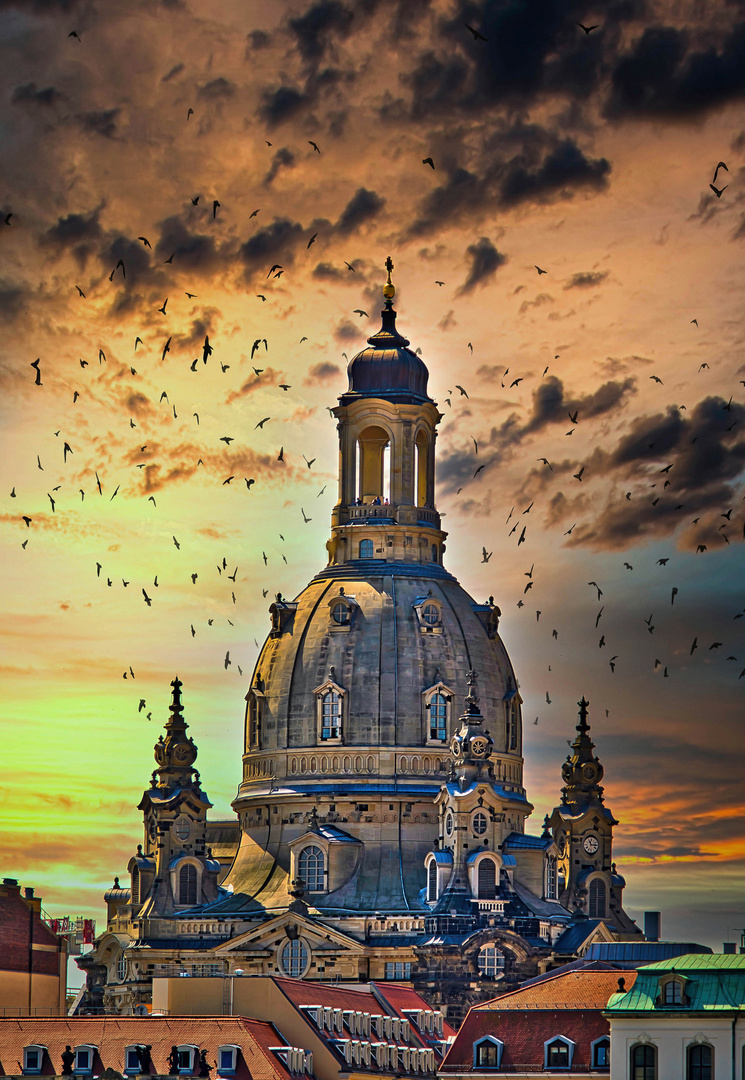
{"type": "Point", "coordinates": [175, 138]}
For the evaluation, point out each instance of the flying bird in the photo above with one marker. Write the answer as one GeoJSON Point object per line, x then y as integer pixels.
{"type": "Point", "coordinates": [67, 449]}
{"type": "Point", "coordinates": [587, 29]}
{"type": "Point", "coordinates": [37, 381]}
{"type": "Point", "coordinates": [80, 291]}
{"type": "Point", "coordinates": [573, 418]}
{"type": "Point", "coordinates": [148, 601]}
{"type": "Point", "coordinates": [462, 391]}
{"type": "Point", "coordinates": [546, 462]}
{"type": "Point", "coordinates": [262, 422]}
{"type": "Point", "coordinates": [485, 556]}
{"type": "Point", "coordinates": [190, 112]}
{"type": "Point", "coordinates": [476, 35]}
{"type": "Point", "coordinates": [305, 519]}
{"type": "Point", "coordinates": [215, 205]}
{"type": "Point", "coordinates": [312, 240]}
{"type": "Point", "coordinates": [578, 476]}
{"type": "Point", "coordinates": [719, 191]}
{"type": "Point", "coordinates": [721, 165]}
{"type": "Point", "coordinates": [163, 309]}
{"type": "Point", "coordinates": [145, 241]}
{"type": "Point", "coordinates": [539, 270]}
{"type": "Point", "coordinates": [311, 143]}
{"type": "Point", "coordinates": [360, 312]}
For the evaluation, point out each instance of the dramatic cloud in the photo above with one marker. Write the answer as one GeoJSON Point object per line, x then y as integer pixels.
{"type": "Point", "coordinates": [586, 280]}
{"type": "Point", "coordinates": [562, 170]}
{"type": "Point", "coordinates": [361, 208]}
{"type": "Point", "coordinates": [275, 241]}
{"type": "Point", "coordinates": [29, 93]}
{"type": "Point", "coordinates": [485, 261]}
{"type": "Point", "coordinates": [324, 372]}
{"type": "Point", "coordinates": [283, 159]}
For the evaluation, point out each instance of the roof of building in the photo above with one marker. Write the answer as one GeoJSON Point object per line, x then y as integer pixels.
{"type": "Point", "coordinates": [713, 983]}
{"type": "Point", "coordinates": [576, 935]}
{"type": "Point", "coordinates": [636, 953]}
{"type": "Point", "coordinates": [588, 989]}
{"type": "Point", "coordinates": [112, 1035]}
{"type": "Point", "coordinates": [523, 840]}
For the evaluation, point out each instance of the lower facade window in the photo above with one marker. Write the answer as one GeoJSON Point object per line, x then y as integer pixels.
{"type": "Point", "coordinates": [366, 549]}
{"type": "Point", "coordinates": [294, 958]}
{"type": "Point", "coordinates": [398, 971]}
{"type": "Point", "coordinates": [700, 1063]}
{"type": "Point", "coordinates": [644, 1063]}
{"type": "Point", "coordinates": [490, 961]}
{"type": "Point", "coordinates": [311, 867]}
{"type": "Point", "coordinates": [551, 877]}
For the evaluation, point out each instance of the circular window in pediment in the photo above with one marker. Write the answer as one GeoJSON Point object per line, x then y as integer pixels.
{"type": "Point", "coordinates": [182, 828]}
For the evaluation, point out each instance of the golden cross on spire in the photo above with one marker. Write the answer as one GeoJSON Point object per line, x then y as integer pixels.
{"type": "Point", "coordinates": [389, 289]}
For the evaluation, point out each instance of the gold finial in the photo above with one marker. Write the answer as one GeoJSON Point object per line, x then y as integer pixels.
{"type": "Point", "coordinates": [389, 289]}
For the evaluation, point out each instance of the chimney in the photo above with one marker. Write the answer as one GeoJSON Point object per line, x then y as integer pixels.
{"type": "Point", "coordinates": [729, 947]}
{"type": "Point", "coordinates": [28, 892]}
{"type": "Point", "coordinates": [652, 925]}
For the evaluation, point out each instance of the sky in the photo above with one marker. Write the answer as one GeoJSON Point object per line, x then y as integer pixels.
{"type": "Point", "coordinates": [564, 259]}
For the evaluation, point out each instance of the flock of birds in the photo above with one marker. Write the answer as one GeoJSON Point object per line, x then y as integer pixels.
{"type": "Point", "coordinates": [275, 272]}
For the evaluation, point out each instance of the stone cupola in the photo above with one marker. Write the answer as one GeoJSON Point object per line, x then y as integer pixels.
{"type": "Point", "coordinates": [582, 771]}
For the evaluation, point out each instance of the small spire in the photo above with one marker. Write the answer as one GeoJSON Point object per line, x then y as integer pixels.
{"type": "Point", "coordinates": [176, 708]}
{"type": "Point", "coordinates": [546, 834]}
{"type": "Point", "coordinates": [389, 289]}
{"type": "Point", "coordinates": [472, 698]}
{"type": "Point", "coordinates": [583, 726]}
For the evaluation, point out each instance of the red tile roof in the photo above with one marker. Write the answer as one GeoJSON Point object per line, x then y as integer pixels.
{"type": "Point", "coordinates": [112, 1035]}
{"type": "Point", "coordinates": [400, 998]}
{"type": "Point", "coordinates": [567, 990]}
{"type": "Point", "coordinates": [524, 1034]}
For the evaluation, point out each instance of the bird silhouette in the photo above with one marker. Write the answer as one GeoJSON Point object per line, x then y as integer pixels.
{"type": "Point", "coordinates": [587, 29]}
{"type": "Point", "coordinates": [163, 309]}
{"type": "Point", "coordinates": [312, 240]}
{"type": "Point", "coordinates": [485, 556]}
{"type": "Point", "coordinates": [360, 312]}
{"type": "Point", "coordinates": [573, 418]}
{"type": "Point", "coordinates": [720, 165]}
{"type": "Point", "coordinates": [305, 519]}
{"type": "Point", "coordinates": [578, 476]}
{"type": "Point", "coordinates": [311, 143]}
{"type": "Point", "coordinates": [539, 270]}
{"type": "Point", "coordinates": [215, 206]}
{"type": "Point", "coordinates": [546, 462]}
{"type": "Point", "coordinates": [147, 599]}
{"type": "Point", "coordinates": [37, 381]}
{"type": "Point", "coordinates": [262, 422]}
{"type": "Point", "coordinates": [462, 391]}
{"type": "Point", "coordinates": [476, 35]}
{"type": "Point", "coordinates": [428, 161]}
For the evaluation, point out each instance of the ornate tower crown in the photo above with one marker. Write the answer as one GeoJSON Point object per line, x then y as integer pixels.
{"type": "Point", "coordinates": [582, 771]}
{"type": "Point", "coordinates": [471, 745]}
{"type": "Point", "coordinates": [176, 753]}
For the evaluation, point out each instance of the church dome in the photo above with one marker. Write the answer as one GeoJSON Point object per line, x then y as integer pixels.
{"type": "Point", "coordinates": [388, 368]}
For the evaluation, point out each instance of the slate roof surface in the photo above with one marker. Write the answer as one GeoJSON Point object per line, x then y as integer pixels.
{"type": "Point", "coordinates": [543, 908]}
{"type": "Point", "coordinates": [522, 840]}
{"type": "Point", "coordinates": [635, 953]}
{"type": "Point", "coordinates": [575, 935]}
{"type": "Point", "coordinates": [112, 1035]}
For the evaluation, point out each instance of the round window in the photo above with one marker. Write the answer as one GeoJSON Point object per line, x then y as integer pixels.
{"type": "Point", "coordinates": [491, 961]}
{"type": "Point", "coordinates": [449, 824]}
{"type": "Point", "coordinates": [479, 824]}
{"type": "Point", "coordinates": [182, 828]}
{"type": "Point", "coordinates": [339, 613]}
{"type": "Point", "coordinates": [294, 958]}
{"type": "Point", "coordinates": [431, 614]}
{"type": "Point", "coordinates": [121, 968]}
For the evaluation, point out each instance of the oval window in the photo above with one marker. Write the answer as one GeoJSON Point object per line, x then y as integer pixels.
{"type": "Point", "coordinates": [340, 614]}
{"type": "Point", "coordinates": [294, 958]}
{"type": "Point", "coordinates": [430, 614]}
{"type": "Point", "coordinates": [182, 828]}
{"type": "Point", "coordinates": [449, 824]}
{"type": "Point", "coordinates": [479, 824]}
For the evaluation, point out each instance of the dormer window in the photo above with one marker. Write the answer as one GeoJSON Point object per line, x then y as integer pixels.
{"type": "Point", "coordinates": [33, 1056]}
{"type": "Point", "coordinates": [340, 614]}
{"type": "Point", "coordinates": [227, 1057]}
{"type": "Point", "coordinates": [559, 1052]}
{"type": "Point", "coordinates": [311, 865]}
{"type": "Point", "coordinates": [437, 702]}
{"type": "Point", "coordinates": [487, 1053]}
{"type": "Point", "coordinates": [672, 992]}
{"type": "Point", "coordinates": [342, 609]}
{"type": "Point", "coordinates": [429, 613]}
{"type": "Point", "coordinates": [601, 1053]}
{"type": "Point", "coordinates": [84, 1059]}
{"type": "Point", "coordinates": [185, 1058]}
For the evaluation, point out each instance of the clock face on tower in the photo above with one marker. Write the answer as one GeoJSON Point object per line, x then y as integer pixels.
{"type": "Point", "coordinates": [591, 844]}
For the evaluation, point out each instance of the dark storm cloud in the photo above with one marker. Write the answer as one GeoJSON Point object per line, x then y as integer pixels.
{"type": "Point", "coordinates": [485, 261]}
{"type": "Point", "coordinates": [217, 89]}
{"type": "Point", "coordinates": [314, 29]}
{"type": "Point", "coordinates": [100, 123]}
{"type": "Point", "coordinates": [12, 298]}
{"type": "Point", "coordinates": [258, 39]}
{"type": "Point", "coordinates": [29, 93]}
{"type": "Point", "coordinates": [362, 207]}
{"type": "Point", "coordinates": [282, 103]}
{"type": "Point", "coordinates": [565, 168]}
{"type": "Point", "coordinates": [586, 280]}
{"type": "Point", "coordinates": [191, 251]}
{"type": "Point", "coordinates": [326, 272]}
{"type": "Point", "coordinates": [276, 241]}
{"type": "Point", "coordinates": [73, 230]}
{"type": "Point", "coordinates": [283, 159]}
{"type": "Point", "coordinates": [662, 75]}
{"type": "Point", "coordinates": [347, 331]}
{"type": "Point", "coordinates": [323, 372]}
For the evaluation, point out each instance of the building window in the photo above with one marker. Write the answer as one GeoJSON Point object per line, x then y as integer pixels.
{"type": "Point", "coordinates": [700, 1062]}
{"type": "Point", "coordinates": [121, 967]}
{"type": "Point", "coordinates": [33, 1057]}
{"type": "Point", "coordinates": [135, 884]}
{"type": "Point", "coordinates": [487, 1054]}
{"type": "Point", "coordinates": [510, 723]}
{"type": "Point", "coordinates": [559, 1054]}
{"type": "Point", "coordinates": [643, 1063]}
{"type": "Point", "coordinates": [434, 553]}
{"type": "Point", "coordinates": [83, 1059]}
{"type": "Point", "coordinates": [331, 715]}
{"type": "Point", "coordinates": [340, 613]}
{"type": "Point", "coordinates": [131, 1060]}
{"type": "Point", "coordinates": [449, 824]}
{"type": "Point", "coordinates": [366, 549]}
{"type": "Point", "coordinates": [398, 970]}
{"type": "Point", "coordinates": [294, 958]}
{"type": "Point", "coordinates": [432, 881]}
{"type": "Point", "coordinates": [430, 614]}
{"type": "Point", "coordinates": [254, 721]}
{"type": "Point", "coordinates": [226, 1057]}
{"type": "Point", "coordinates": [187, 884]}
{"type": "Point", "coordinates": [438, 717]}
{"type": "Point", "coordinates": [479, 823]}
{"type": "Point", "coordinates": [673, 993]}
{"type": "Point", "coordinates": [597, 898]}
{"type": "Point", "coordinates": [551, 877]}
{"type": "Point", "coordinates": [491, 961]}
{"type": "Point", "coordinates": [182, 828]}
{"type": "Point", "coordinates": [601, 1053]}
{"type": "Point", "coordinates": [487, 879]}
{"type": "Point", "coordinates": [311, 867]}
{"type": "Point", "coordinates": [185, 1058]}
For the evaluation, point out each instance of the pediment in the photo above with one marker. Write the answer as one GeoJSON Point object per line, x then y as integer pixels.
{"type": "Point", "coordinates": [319, 935]}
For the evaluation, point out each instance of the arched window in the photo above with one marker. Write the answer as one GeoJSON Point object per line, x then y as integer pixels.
{"type": "Point", "coordinates": [479, 823]}
{"type": "Point", "coordinates": [643, 1062]}
{"type": "Point", "coordinates": [438, 715]}
{"type": "Point", "coordinates": [673, 993]}
{"type": "Point", "coordinates": [331, 715]}
{"type": "Point", "coordinates": [420, 470]}
{"type": "Point", "coordinates": [601, 1053]}
{"type": "Point", "coordinates": [432, 881]}
{"type": "Point", "coordinates": [434, 553]}
{"type": "Point", "coordinates": [135, 884]}
{"type": "Point", "coordinates": [294, 958]}
{"type": "Point", "coordinates": [373, 478]}
{"type": "Point", "coordinates": [597, 899]}
{"type": "Point", "coordinates": [490, 961]}
{"type": "Point", "coordinates": [487, 879]}
{"type": "Point", "coordinates": [700, 1062]}
{"type": "Point", "coordinates": [310, 868]}
{"type": "Point", "coordinates": [253, 725]}
{"type": "Point", "coordinates": [187, 884]}
{"type": "Point", "coordinates": [366, 549]}
{"type": "Point", "coordinates": [510, 722]}
{"type": "Point", "coordinates": [122, 967]}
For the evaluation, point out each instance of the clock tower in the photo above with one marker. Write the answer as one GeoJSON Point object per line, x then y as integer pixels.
{"type": "Point", "coordinates": [582, 828]}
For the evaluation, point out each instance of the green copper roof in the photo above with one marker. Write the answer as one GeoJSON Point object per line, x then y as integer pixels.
{"type": "Point", "coordinates": [713, 983]}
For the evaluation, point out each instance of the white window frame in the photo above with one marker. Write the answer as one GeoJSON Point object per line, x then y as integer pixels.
{"type": "Point", "coordinates": [193, 1051]}
{"type": "Point", "coordinates": [494, 1042]}
{"type": "Point", "coordinates": [26, 1068]}
{"type": "Point", "coordinates": [227, 1070]}
{"type": "Point", "coordinates": [175, 872]}
{"type": "Point", "coordinates": [484, 814]}
{"type": "Point", "coordinates": [324, 873]}
{"type": "Point", "coordinates": [320, 692]}
{"type": "Point", "coordinates": [473, 872]}
{"type": "Point", "coordinates": [303, 943]}
{"type": "Point", "coordinates": [499, 973]}
{"type": "Point", "coordinates": [550, 1042]}
{"type": "Point", "coordinates": [392, 975]}
{"type": "Point", "coordinates": [131, 1070]}
{"type": "Point", "coordinates": [425, 626]}
{"type": "Point", "coordinates": [603, 1038]}
{"type": "Point", "coordinates": [83, 1048]}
